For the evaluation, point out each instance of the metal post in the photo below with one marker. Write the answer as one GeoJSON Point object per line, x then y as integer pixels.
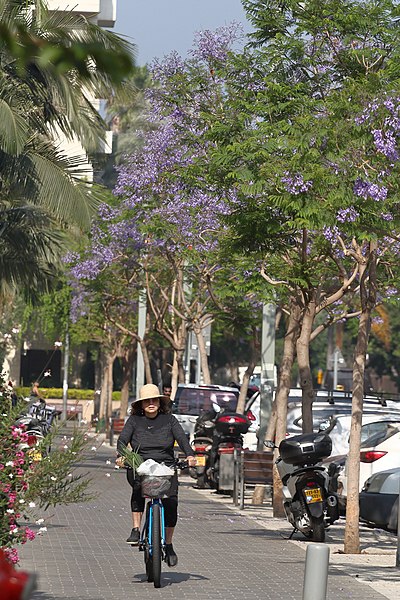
{"type": "Point", "coordinates": [267, 369]}
{"type": "Point", "coordinates": [65, 375]}
{"type": "Point", "coordinates": [316, 572]}
{"type": "Point", "coordinates": [398, 530]}
{"type": "Point", "coordinates": [141, 331]}
{"type": "Point", "coordinates": [335, 367]}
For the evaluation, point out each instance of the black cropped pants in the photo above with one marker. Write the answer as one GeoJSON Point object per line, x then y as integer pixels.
{"type": "Point", "coordinates": [170, 503]}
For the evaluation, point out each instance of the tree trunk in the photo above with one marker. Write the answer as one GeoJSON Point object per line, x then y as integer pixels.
{"type": "Point", "coordinates": [244, 387]}
{"type": "Point", "coordinates": [281, 400]}
{"type": "Point", "coordinates": [203, 354]}
{"type": "Point", "coordinates": [146, 361]}
{"type": "Point", "coordinates": [127, 367]}
{"type": "Point", "coordinates": [271, 429]}
{"type": "Point", "coordinates": [106, 385]}
{"type": "Point", "coordinates": [255, 346]}
{"type": "Point", "coordinates": [303, 361]}
{"type": "Point", "coordinates": [110, 386]}
{"type": "Point", "coordinates": [368, 302]}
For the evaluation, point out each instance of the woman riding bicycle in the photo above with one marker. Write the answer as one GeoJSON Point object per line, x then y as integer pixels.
{"type": "Point", "coordinates": [152, 431]}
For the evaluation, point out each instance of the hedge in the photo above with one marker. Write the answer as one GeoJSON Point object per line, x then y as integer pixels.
{"type": "Point", "coordinates": [57, 393]}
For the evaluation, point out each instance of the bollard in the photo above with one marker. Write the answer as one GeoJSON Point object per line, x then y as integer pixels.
{"type": "Point", "coordinates": [316, 572]}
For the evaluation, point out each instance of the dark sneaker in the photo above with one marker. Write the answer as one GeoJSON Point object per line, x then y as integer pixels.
{"type": "Point", "coordinates": [172, 558]}
{"type": "Point", "coordinates": [133, 539]}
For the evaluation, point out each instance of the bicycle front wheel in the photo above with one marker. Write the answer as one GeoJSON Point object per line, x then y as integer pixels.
{"type": "Point", "coordinates": [156, 544]}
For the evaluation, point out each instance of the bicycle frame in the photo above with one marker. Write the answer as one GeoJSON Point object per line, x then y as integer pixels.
{"type": "Point", "coordinates": [147, 531]}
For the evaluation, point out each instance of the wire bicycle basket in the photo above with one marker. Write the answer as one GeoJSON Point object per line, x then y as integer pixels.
{"type": "Point", "coordinates": [154, 486]}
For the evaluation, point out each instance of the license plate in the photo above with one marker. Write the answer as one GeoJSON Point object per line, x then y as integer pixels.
{"type": "Point", "coordinates": [313, 495]}
{"type": "Point", "coordinates": [35, 455]}
{"type": "Point", "coordinates": [200, 461]}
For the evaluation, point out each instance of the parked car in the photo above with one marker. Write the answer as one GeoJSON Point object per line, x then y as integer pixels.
{"type": "Point", "coordinates": [379, 499]}
{"type": "Point", "coordinates": [326, 405]}
{"type": "Point", "coordinates": [338, 428]}
{"type": "Point", "coordinates": [380, 450]}
{"type": "Point", "coordinates": [191, 400]}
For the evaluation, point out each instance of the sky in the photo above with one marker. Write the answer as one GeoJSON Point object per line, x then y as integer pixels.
{"type": "Point", "coordinates": [159, 26]}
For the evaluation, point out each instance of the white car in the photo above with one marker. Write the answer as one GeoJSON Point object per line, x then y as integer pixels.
{"type": "Point", "coordinates": [380, 450]}
{"type": "Point", "coordinates": [338, 428]}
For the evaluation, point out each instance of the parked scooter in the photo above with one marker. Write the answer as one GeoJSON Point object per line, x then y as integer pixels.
{"type": "Point", "coordinates": [216, 432]}
{"type": "Point", "coordinates": [37, 423]}
{"type": "Point", "coordinates": [309, 504]}
{"type": "Point", "coordinates": [202, 444]}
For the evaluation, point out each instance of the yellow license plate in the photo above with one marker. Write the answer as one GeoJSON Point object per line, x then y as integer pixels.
{"type": "Point", "coordinates": [35, 455]}
{"type": "Point", "coordinates": [200, 461]}
{"type": "Point", "coordinates": [313, 495]}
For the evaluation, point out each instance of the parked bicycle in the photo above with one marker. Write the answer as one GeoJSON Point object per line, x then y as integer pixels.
{"type": "Point", "coordinates": [152, 539]}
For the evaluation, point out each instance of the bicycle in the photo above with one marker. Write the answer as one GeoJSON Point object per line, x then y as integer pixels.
{"type": "Point", "coordinates": [152, 539]}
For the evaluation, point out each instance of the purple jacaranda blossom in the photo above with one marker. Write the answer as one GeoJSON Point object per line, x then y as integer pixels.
{"type": "Point", "coordinates": [213, 46]}
{"type": "Point", "coordinates": [386, 144]}
{"type": "Point", "coordinates": [331, 234]}
{"type": "Point", "coordinates": [365, 189]}
{"type": "Point", "coordinates": [295, 184]}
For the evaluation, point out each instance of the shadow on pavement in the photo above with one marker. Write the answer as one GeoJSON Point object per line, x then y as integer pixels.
{"type": "Point", "coordinates": [170, 578]}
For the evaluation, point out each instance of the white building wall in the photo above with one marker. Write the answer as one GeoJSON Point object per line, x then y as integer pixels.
{"type": "Point", "coordinates": [102, 12]}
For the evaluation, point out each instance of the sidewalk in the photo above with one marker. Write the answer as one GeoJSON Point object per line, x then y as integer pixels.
{"type": "Point", "coordinates": [375, 566]}
{"type": "Point", "coordinates": [223, 553]}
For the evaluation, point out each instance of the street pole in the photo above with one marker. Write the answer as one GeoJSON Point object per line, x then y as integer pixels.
{"type": "Point", "coordinates": [335, 367]}
{"type": "Point", "coordinates": [398, 530]}
{"type": "Point", "coordinates": [141, 330]}
{"type": "Point", "coordinates": [65, 375]}
{"type": "Point", "coordinates": [267, 369]}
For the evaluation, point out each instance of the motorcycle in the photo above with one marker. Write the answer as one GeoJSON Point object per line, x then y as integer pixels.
{"type": "Point", "coordinates": [37, 423]}
{"type": "Point", "coordinates": [309, 504]}
{"type": "Point", "coordinates": [217, 432]}
{"type": "Point", "coordinates": [202, 444]}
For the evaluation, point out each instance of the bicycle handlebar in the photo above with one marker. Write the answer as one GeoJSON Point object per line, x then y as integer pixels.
{"type": "Point", "coordinates": [181, 464]}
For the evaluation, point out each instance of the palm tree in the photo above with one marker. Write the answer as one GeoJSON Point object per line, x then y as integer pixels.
{"type": "Point", "coordinates": [40, 187]}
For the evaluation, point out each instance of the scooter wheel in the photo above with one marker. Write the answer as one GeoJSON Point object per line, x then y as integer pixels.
{"type": "Point", "coordinates": [318, 529]}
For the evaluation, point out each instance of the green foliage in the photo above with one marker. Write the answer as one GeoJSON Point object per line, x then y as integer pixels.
{"type": "Point", "coordinates": [57, 393]}
{"type": "Point", "coordinates": [55, 478]}
{"type": "Point", "coordinates": [132, 458]}
{"type": "Point", "coordinates": [33, 477]}
{"type": "Point", "coordinates": [64, 50]}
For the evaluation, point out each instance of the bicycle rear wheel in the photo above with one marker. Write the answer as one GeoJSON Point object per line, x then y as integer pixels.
{"type": "Point", "coordinates": [156, 543]}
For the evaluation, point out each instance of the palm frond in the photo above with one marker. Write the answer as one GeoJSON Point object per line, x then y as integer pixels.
{"type": "Point", "coordinates": [13, 129]}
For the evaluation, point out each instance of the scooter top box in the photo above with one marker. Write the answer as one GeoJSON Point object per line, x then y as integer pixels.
{"type": "Point", "coordinates": [232, 424]}
{"type": "Point", "coordinates": [308, 448]}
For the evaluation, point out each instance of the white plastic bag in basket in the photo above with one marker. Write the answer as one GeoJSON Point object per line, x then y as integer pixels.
{"type": "Point", "coordinates": [151, 467]}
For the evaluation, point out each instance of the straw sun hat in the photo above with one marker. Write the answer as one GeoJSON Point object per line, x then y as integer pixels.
{"type": "Point", "coordinates": [150, 390]}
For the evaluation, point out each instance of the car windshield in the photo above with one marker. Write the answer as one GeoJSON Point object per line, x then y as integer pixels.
{"type": "Point", "coordinates": [194, 401]}
{"type": "Point", "coordinates": [376, 433]}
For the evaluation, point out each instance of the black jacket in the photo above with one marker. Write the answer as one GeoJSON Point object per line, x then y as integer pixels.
{"type": "Point", "coordinates": [154, 438]}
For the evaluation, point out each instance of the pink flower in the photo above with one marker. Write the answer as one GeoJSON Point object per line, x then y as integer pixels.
{"type": "Point", "coordinates": [30, 534]}
{"type": "Point", "coordinates": [12, 555]}
{"type": "Point", "coordinates": [1, 467]}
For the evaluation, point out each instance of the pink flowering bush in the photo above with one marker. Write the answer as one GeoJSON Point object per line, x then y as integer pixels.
{"type": "Point", "coordinates": [31, 478]}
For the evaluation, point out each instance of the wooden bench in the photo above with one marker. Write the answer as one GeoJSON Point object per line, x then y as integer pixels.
{"type": "Point", "coordinates": [252, 467]}
{"type": "Point", "coordinates": [116, 426]}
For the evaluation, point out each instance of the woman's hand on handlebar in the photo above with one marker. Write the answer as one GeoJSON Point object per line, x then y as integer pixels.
{"type": "Point", "coordinates": [120, 461]}
{"type": "Point", "coordinates": [191, 461]}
